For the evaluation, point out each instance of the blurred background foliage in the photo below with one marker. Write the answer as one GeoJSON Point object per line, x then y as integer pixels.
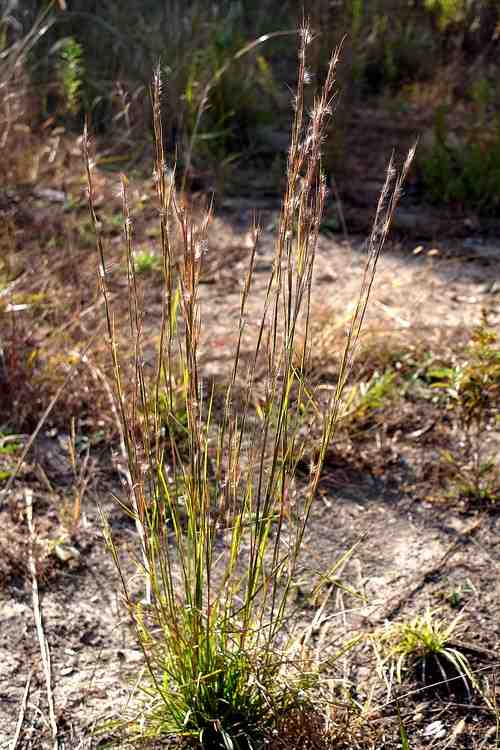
{"type": "Point", "coordinates": [432, 64]}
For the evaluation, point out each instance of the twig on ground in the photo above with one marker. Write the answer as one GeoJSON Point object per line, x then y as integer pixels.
{"type": "Point", "coordinates": [22, 711]}
{"type": "Point", "coordinates": [42, 640]}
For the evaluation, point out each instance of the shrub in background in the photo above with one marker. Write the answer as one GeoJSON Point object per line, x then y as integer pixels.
{"type": "Point", "coordinates": [222, 104]}
{"type": "Point", "coordinates": [465, 170]}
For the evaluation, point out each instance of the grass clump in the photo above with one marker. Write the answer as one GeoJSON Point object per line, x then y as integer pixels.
{"type": "Point", "coordinates": [219, 687]}
{"type": "Point", "coordinates": [220, 515]}
{"type": "Point", "coordinates": [424, 647]}
{"type": "Point", "coordinates": [146, 263]}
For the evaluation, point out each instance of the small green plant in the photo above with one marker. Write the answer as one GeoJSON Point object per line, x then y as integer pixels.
{"type": "Point", "coordinates": [423, 646]}
{"type": "Point", "coordinates": [447, 11]}
{"type": "Point", "coordinates": [456, 596]}
{"type": "Point", "coordinates": [9, 444]}
{"type": "Point", "coordinates": [365, 398]}
{"type": "Point", "coordinates": [467, 173]}
{"type": "Point", "coordinates": [471, 390]}
{"type": "Point", "coordinates": [9, 447]}
{"type": "Point", "coordinates": [473, 482]}
{"type": "Point", "coordinates": [146, 263]}
{"type": "Point", "coordinates": [405, 743]}
{"type": "Point", "coordinates": [72, 72]}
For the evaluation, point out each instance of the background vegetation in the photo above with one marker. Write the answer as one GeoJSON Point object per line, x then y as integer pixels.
{"type": "Point", "coordinates": [433, 63]}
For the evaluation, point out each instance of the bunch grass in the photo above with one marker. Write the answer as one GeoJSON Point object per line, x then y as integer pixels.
{"type": "Point", "coordinates": [425, 644]}
{"type": "Point", "coordinates": [220, 517]}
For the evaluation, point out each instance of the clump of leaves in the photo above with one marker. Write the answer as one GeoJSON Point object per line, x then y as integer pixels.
{"type": "Point", "coordinates": [9, 447]}
{"type": "Point", "coordinates": [424, 648]}
{"type": "Point", "coordinates": [368, 397]}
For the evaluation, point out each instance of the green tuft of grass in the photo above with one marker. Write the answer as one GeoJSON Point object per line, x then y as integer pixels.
{"type": "Point", "coordinates": [424, 647]}
{"type": "Point", "coordinates": [146, 263]}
